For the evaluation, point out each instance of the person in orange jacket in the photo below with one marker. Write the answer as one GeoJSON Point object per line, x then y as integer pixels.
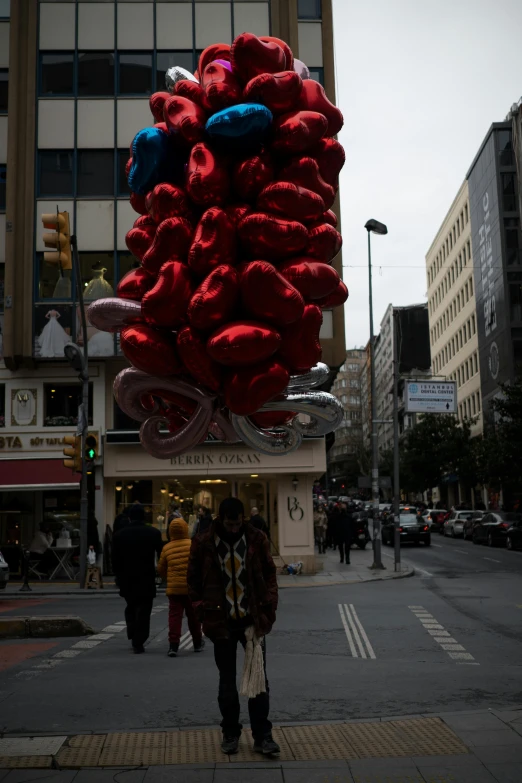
{"type": "Point", "coordinates": [173, 565]}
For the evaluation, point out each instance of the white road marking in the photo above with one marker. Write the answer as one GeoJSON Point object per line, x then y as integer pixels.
{"type": "Point", "coordinates": [410, 565]}
{"type": "Point", "coordinates": [67, 654]}
{"type": "Point", "coordinates": [491, 560]}
{"type": "Point", "coordinates": [88, 644]}
{"type": "Point", "coordinates": [362, 632]}
{"type": "Point", "coordinates": [347, 632]}
{"type": "Point", "coordinates": [113, 628]}
{"type": "Point", "coordinates": [358, 641]}
{"type": "Point", "coordinates": [450, 645]}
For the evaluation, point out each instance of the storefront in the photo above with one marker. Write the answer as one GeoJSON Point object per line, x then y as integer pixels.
{"type": "Point", "coordinates": [281, 487]}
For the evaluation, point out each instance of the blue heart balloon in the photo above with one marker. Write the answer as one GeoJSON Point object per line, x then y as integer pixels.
{"type": "Point", "coordinates": [150, 160]}
{"type": "Point", "coordinates": [245, 122]}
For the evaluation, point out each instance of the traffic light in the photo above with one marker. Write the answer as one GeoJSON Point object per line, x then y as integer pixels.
{"type": "Point", "coordinates": [59, 239]}
{"type": "Point", "coordinates": [73, 452]}
{"type": "Point", "coordinates": [91, 451]}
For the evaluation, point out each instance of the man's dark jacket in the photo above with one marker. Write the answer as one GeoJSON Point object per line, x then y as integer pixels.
{"type": "Point", "coordinates": [206, 589]}
{"type": "Point", "coordinates": [133, 559]}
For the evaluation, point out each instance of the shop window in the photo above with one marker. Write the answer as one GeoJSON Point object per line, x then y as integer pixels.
{"type": "Point", "coordinates": [509, 192]}
{"type": "Point", "coordinates": [2, 405]}
{"type": "Point", "coordinates": [122, 184]}
{"type": "Point", "coordinates": [126, 262]}
{"type": "Point", "coordinates": [166, 60]}
{"type": "Point", "coordinates": [95, 173]}
{"type": "Point", "coordinates": [51, 282]}
{"type": "Point", "coordinates": [317, 74]}
{"type": "Point", "coordinates": [97, 275]}
{"type": "Point", "coordinates": [56, 73]}
{"type": "Point", "coordinates": [95, 73]}
{"type": "Point", "coordinates": [55, 173]}
{"type": "Point", "coordinates": [505, 148]}
{"type": "Point", "coordinates": [135, 73]}
{"type": "Point", "coordinates": [4, 89]}
{"type": "Point", "coordinates": [53, 329]}
{"type": "Point", "coordinates": [3, 180]}
{"type": "Point", "coordinates": [309, 9]}
{"type": "Point", "coordinates": [61, 404]}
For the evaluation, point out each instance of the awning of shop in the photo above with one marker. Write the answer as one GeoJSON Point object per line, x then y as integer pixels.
{"type": "Point", "coordinates": [36, 474]}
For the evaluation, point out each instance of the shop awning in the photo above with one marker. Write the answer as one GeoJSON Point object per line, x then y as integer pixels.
{"type": "Point", "coordinates": [35, 474]}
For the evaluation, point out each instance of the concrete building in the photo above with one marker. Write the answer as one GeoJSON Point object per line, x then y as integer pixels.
{"type": "Point", "coordinates": [452, 308]}
{"type": "Point", "coordinates": [344, 456]}
{"type": "Point", "coordinates": [79, 75]}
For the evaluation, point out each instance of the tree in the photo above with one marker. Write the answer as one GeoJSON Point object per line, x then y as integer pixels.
{"type": "Point", "coordinates": [503, 442]}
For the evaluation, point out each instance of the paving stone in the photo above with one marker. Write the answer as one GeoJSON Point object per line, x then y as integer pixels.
{"type": "Point", "coordinates": [109, 776]}
{"type": "Point", "coordinates": [234, 775]}
{"type": "Point", "coordinates": [483, 738]}
{"type": "Point", "coordinates": [485, 721]}
{"type": "Point", "coordinates": [3, 773]}
{"type": "Point", "coordinates": [319, 775]}
{"type": "Point", "coordinates": [177, 775]}
{"type": "Point", "coordinates": [49, 775]}
{"type": "Point", "coordinates": [466, 760]}
{"type": "Point", "coordinates": [506, 773]}
{"type": "Point", "coordinates": [499, 754]}
{"type": "Point", "coordinates": [336, 764]}
{"type": "Point", "coordinates": [449, 774]}
{"type": "Point", "coordinates": [382, 767]}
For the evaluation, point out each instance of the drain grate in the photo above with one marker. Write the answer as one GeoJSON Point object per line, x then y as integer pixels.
{"type": "Point", "coordinates": [31, 746]}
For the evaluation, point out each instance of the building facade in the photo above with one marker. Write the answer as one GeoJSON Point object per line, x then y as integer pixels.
{"type": "Point", "coordinates": [79, 76]}
{"type": "Point", "coordinates": [452, 308]}
{"type": "Point", "coordinates": [345, 455]}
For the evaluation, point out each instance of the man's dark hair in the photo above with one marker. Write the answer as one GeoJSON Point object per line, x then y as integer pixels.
{"type": "Point", "coordinates": [231, 508]}
{"type": "Point", "coordinates": [136, 513]}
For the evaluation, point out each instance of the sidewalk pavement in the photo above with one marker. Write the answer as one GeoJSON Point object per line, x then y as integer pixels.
{"type": "Point", "coordinates": [481, 746]}
{"type": "Point", "coordinates": [330, 572]}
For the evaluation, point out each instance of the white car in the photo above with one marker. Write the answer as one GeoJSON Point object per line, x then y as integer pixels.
{"type": "Point", "coordinates": [454, 525]}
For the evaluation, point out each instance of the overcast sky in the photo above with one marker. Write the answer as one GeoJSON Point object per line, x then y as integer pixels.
{"type": "Point", "coordinates": [419, 83]}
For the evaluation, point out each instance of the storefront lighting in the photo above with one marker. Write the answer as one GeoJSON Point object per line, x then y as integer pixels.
{"type": "Point", "coordinates": [53, 390]}
{"type": "Point", "coordinates": [212, 481]}
{"type": "Point", "coordinates": [254, 475]}
{"type": "Point", "coordinates": [171, 494]}
{"type": "Point", "coordinates": [119, 486]}
{"type": "Point", "coordinates": [130, 485]}
{"type": "Point", "coordinates": [163, 489]}
{"type": "Point", "coordinates": [176, 497]}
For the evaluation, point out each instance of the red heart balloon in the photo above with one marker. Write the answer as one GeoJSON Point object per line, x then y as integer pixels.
{"type": "Point", "coordinates": [330, 157]}
{"type": "Point", "coordinates": [301, 346]}
{"type": "Point", "coordinates": [166, 304]}
{"type": "Point", "coordinates": [314, 98]}
{"type": "Point", "coordinates": [194, 92]}
{"type": "Point", "coordinates": [216, 298]}
{"type": "Point", "coordinates": [221, 86]}
{"type": "Point", "coordinates": [219, 51]}
{"type": "Point", "coordinates": [335, 299]}
{"type": "Point", "coordinates": [297, 131]}
{"type": "Point", "coordinates": [128, 167]}
{"type": "Point", "coordinates": [214, 242]}
{"type": "Point", "coordinates": [312, 278]}
{"type": "Point", "coordinates": [143, 220]}
{"type": "Point", "coordinates": [279, 92]}
{"type": "Point", "coordinates": [137, 202]}
{"type": "Point", "coordinates": [162, 126]}
{"type": "Point", "coordinates": [248, 388]}
{"type": "Point", "coordinates": [305, 173]}
{"type": "Point", "coordinates": [156, 104]}
{"type": "Point", "coordinates": [135, 284]}
{"type": "Point", "coordinates": [267, 295]}
{"type": "Point", "coordinates": [289, 56]}
{"type": "Point", "coordinates": [243, 343]}
{"type": "Point", "coordinates": [171, 243]}
{"type": "Point", "coordinates": [269, 237]}
{"type": "Point", "coordinates": [166, 201]}
{"type": "Point", "coordinates": [324, 242]}
{"type": "Point", "coordinates": [139, 239]}
{"type": "Point", "coordinates": [193, 353]}
{"type": "Point", "coordinates": [270, 419]}
{"type": "Point", "coordinates": [251, 175]}
{"type": "Point", "coordinates": [290, 201]}
{"type": "Point", "coordinates": [150, 350]}
{"type": "Point", "coordinates": [251, 56]}
{"type": "Point", "coordinates": [329, 217]}
{"type": "Point", "coordinates": [236, 212]}
{"type": "Point", "coordinates": [207, 177]}
{"type": "Point", "coordinates": [185, 118]}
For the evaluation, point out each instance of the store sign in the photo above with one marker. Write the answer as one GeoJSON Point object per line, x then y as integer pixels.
{"type": "Point", "coordinates": [217, 459]}
{"type": "Point", "coordinates": [430, 397]}
{"type": "Point", "coordinates": [31, 442]}
{"type": "Point", "coordinates": [10, 442]}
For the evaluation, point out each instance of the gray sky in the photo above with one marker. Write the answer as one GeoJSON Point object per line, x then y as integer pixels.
{"type": "Point", "coordinates": [419, 83]}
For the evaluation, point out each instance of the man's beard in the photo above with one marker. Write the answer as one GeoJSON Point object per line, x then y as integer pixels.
{"type": "Point", "coordinates": [228, 536]}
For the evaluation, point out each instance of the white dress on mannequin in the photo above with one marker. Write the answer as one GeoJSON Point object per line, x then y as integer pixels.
{"type": "Point", "coordinates": [53, 337]}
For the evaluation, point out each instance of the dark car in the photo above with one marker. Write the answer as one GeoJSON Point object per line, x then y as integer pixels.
{"type": "Point", "coordinates": [493, 527]}
{"type": "Point", "coordinates": [514, 535]}
{"type": "Point", "coordinates": [413, 529]}
{"type": "Point", "coordinates": [469, 524]}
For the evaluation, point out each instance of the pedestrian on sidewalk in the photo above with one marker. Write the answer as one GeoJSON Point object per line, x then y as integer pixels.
{"type": "Point", "coordinates": [134, 552]}
{"type": "Point", "coordinates": [344, 524]}
{"type": "Point", "coordinates": [173, 565]}
{"type": "Point", "coordinates": [320, 525]}
{"type": "Point", "coordinates": [232, 579]}
{"type": "Point", "coordinates": [258, 521]}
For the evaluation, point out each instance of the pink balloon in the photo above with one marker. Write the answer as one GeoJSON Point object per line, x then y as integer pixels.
{"type": "Point", "coordinates": [112, 314]}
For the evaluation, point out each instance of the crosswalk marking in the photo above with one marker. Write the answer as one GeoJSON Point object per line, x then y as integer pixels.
{"type": "Point", "coordinates": [439, 634]}
{"type": "Point", "coordinates": [357, 637]}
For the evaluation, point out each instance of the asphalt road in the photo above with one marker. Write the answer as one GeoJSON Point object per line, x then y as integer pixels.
{"type": "Point", "coordinates": [447, 639]}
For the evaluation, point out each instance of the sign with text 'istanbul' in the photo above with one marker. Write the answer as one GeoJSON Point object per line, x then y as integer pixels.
{"type": "Point", "coordinates": [430, 397]}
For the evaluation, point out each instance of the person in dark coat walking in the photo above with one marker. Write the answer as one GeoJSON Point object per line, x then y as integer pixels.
{"type": "Point", "coordinates": [344, 532]}
{"type": "Point", "coordinates": [233, 584]}
{"type": "Point", "coordinates": [134, 553]}
{"type": "Point", "coordinates": [258, 521]}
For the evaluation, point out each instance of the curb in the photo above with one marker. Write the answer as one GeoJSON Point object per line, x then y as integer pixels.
{"type": "Point", "coordinates": [43, 627]}
{"type": "Point", "coordinates": [402, 575]}
{"type": "Point", "coordinates": [35, 594]}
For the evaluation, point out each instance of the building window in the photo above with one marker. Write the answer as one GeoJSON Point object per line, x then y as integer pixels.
{"type": "Point", "coordinates": [51, 284]}
{"type": "Point", "coordinates": [95, 73]}
{"type": "Point", "coordinates": [135, 73]}
{"type": "Point", "coordinates": [2, 405]}
{"type": "Point", "coordinates": [166, 60]}
{"type": "Point", "coordinates": [515, 302]}
{"type": "Point", "coordinates": [475, 361]}
{"type": "Point", "coordinates": [355, 399]}
{"type": "Point", "coordinates": [95, 173]}
{"type": "Point", "coordinates": [354, 384]}
{"type": "Point", "coordinates": [122, 184]}
{"type": "Point", "coordinates": [4, 89]}
{"type": "Point", "coordinates": [343, 383]}
{"type": "Point", "coordinates": [317, 74]}
{"type": "Point", "coordinates": [56, 73]}
{"type": "Point", "coordinates": [55, 173]}
{"type": "Point", "coordinates": [509, 192]}
{"type": "Point", "coordinates": [344, 399]}
{"type": "Point", "coordinates": [353, 368]}
{"type": "Point", "coordinates": [309, 9]}
{"type": "Point", "coordinates": [61, 404]}
{"type": "Point", "coordinates": [3, 180]}
{"type": "Point", "coordinates": [512, 240]}
{"type": "Point", "coordinates": [505, 148]}
{"type": "Point", "coordinates": [97, 275]}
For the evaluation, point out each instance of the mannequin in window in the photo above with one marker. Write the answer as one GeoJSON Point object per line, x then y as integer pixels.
{"type": "Point", "coordinates": [100, 343]}
{"type": "Point", "coordinates": [53, 337]}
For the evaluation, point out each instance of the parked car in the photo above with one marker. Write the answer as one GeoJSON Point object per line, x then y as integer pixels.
{"type": "Point", "coordinates": [4, 572]}
{"type": "Point", "coordinates": [443, 521]}
{"type": "Point", "coordinates": [412, 530]}
{"type": "Point", "coordinates": [434, 517]}
{"type": "Point", "coordinates": [454, 525]}
{"type": "Point", "coordinates": [469, 524]}
{"type": "Point", "coordinates": [493, 527]}
{"type": "Point", "coordinates": [514, 535]}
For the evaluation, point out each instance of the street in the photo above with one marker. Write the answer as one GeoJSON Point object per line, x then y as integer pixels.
{"type": "Point", "coordinates": [447, 639]}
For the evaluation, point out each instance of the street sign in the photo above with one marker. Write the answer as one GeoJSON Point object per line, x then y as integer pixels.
{"type": "Point", "coordinates": [365, 482]}
{"type": "Point", "coordinates": [430, 397]}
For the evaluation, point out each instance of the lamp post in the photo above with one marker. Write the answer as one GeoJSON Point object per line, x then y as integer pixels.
{"type": "Point", "coordinates": [374, 227]}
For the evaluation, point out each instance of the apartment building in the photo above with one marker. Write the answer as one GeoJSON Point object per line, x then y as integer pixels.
{"type": "Point", "coordinates": [342, 457]}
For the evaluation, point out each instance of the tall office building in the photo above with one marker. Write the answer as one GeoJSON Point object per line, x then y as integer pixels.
{"type": "Point", "coordinates": [79, 76]}
{"type": "Point", "coordinates": [344, 456]}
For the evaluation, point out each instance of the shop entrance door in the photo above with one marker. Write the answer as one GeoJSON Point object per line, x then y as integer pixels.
{"type": "Point", "coordinates": [253, 495]}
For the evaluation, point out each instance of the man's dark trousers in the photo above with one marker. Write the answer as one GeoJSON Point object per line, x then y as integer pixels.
{"type": "Point", "coordinates": [228, 699]}
{"type": "Point", "coordinates": [137, 617]}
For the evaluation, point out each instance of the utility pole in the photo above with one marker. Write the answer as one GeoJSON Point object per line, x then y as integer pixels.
{"type": "Point", "coordinates": [396, 478]}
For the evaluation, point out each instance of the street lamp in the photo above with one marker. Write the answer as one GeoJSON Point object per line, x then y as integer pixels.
{"type": "Point", "coordinates": [374, 227]}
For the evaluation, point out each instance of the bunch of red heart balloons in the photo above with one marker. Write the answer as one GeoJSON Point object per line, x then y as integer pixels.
{"type": "Point", "coordinates": [236, 235]}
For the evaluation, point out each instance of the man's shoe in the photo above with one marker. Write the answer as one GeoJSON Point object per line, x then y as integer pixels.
{"type": "Point", "coordinates": [138, 649]}
{"type": "Point", "coordinates": [230, 745]}
{"type": "Point", "coordinates": [200, 646]}
{"type": "Point", "coordinates": [268, 746]}
{"type": "Point", "coordinates": [173, 651]}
